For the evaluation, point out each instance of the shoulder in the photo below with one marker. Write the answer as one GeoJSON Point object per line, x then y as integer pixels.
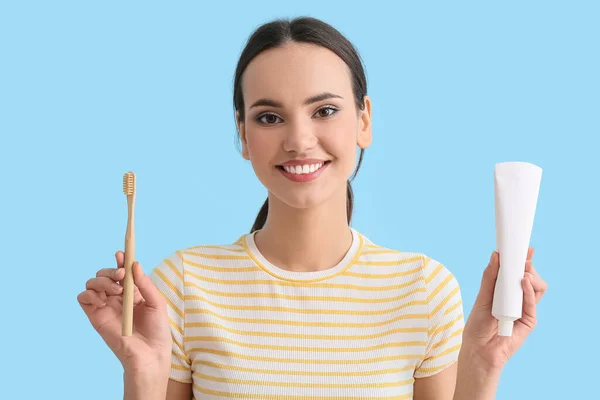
{"type": "Point", "coordinates": [377, 253]}
{"type": "Point", "coordinates": [435, 271]}
{"type": "Point", "coordinates": [214, 251]}
{"type": "Point", "coordinates": [178, 263]}
{"type": "Point", "coordinates": [432, 271]}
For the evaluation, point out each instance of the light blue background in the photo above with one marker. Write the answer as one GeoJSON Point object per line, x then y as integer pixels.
{"type": "Point", "coordinates": [90, 90]}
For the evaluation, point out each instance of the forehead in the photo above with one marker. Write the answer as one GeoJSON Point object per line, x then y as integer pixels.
{"type": "Point", "coordinates": [294, 72]}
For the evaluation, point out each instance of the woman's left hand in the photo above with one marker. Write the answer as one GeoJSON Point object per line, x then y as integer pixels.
{"type": "Point", "coordinates": [480, 336]}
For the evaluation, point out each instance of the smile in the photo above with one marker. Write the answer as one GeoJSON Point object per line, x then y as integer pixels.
{"type": "Point", "coordinates": [303, 172]}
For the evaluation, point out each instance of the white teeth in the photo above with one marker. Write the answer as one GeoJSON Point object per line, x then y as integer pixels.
{"type": "Point", "coordinates": [302, 169]}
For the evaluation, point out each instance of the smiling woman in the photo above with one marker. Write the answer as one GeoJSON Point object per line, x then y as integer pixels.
{"type": "Point", "coordinates": [326, 60]}
{"type": "Point", "coordinates": [303, 306]}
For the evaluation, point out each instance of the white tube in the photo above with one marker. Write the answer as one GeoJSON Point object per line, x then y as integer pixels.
{"type": "Point", "coordinates": [516, 187]}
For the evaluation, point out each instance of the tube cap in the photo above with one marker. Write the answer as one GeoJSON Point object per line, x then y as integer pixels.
{"type": "Point", "coordinates": [505, 327]}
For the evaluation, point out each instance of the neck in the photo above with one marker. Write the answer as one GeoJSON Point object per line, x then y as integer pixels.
{"type": "Point", "coordinates": [310, 239]}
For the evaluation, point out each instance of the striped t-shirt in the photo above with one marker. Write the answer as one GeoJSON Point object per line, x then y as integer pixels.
{"type": "Point", "coordinates": [245, 329]}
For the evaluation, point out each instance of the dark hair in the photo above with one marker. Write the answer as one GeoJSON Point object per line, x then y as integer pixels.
{"type": "Point", "coordinates": [303, 30]}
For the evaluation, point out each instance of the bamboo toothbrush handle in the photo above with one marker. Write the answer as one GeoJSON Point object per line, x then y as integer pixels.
{"type": "Point", "coordinates": [128, 264]}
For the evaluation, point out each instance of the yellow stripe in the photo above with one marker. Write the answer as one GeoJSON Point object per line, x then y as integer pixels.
{"type": "Point", "coordinates": [382, 251]}
{"type": "Point", "coordinates": [359, 361]}
{"type": "Point", "coordinates": [216, 256]}
{"type": "Point", "coordinates": [373, 246]}
{"type": "Point", "coordinates": [426, 261]}
{"type": "Point", "coordinates": [297, 298]}
{"type": "Point", "coordinates": [303, 384]}
{"type": "Point", "coordinates": [446, 352]}
{"type": "Point", "coordinates": [224, 248]}
{"type": "Point", "coordinates": [287, 397]}
{"type": "Point", "coordinates": [389, 263]}
{"type": "Point", "coordinates": [434, 273]}
{"type": "Point", "coordinates": [221, 269]}
{"type": "Point", "coordinates": [303, 335]}
{"type": "Point", "coordinates": [454, 307]}
{"type": "Point", "coordinates": [174, 325]}
{"type": "Point", "coordinates": [174, 269]}
{"type": "Point", "coordinates": [443, 302]}
{"type": "Point", "coordinates": [304, 373]}
{"type": "Point", "coordinates": [173, 306]}
{"type": "Point", "coordinates": [435, 369]}
{"type": "Point", "coordinates": [314, 311]}
{"type": "Point", "coordinates": [447, 325]}
{"type": "Point", "coordinates": [168, 282]}
{"type": "Point", "coordinates": [304, 323]}
{"type": "Point", "coordinates": [180, 346]}
{"type": "Point", "coordinates": [246, 282]}
{"type": "Point", "coordinates": [219, 339]}
{"type": "Point", "coordinates": [181, 358]}
{"type": "Point", "coordinates": [383, 276]}
{"type": "Point", "coordinates": [439, 288]}
{"type": "Point", "coordinates": [180, 368]}
{"type": "Point", "coordinates": [452, 335]}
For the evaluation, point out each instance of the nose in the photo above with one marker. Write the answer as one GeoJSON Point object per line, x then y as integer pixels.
{"type": "Point", "coordinates": [300, 137]}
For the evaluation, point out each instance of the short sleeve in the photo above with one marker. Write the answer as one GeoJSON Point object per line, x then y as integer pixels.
{"type": "Point", "coordinates": [446, 319]}
{"type": "Point", "coordinates": [169, 278]}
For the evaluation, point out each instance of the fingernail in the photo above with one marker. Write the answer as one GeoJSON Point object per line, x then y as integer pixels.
{"type": "Point", "coordinates": [494, 257]}
{"type": "Point", "coordinates": [117, 288]}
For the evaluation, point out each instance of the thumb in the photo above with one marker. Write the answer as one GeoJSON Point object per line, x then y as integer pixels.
{"type": "Point", "coordinates": [151, 295]}
{"type": "Point", "coordinates": [488, 282]}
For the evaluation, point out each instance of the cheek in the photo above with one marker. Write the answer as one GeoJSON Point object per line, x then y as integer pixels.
{"type": "Point", "coordinates": [340, 139]}
{"type": "Point", "coordinates": [261, 146]}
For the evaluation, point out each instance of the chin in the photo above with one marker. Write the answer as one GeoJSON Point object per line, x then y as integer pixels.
{"type": "Point", "coordinates": [302, 201]}
{"type": "Point", "coordinates": [309, 196]}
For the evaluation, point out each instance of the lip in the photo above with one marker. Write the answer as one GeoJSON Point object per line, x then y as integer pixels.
{"type": "Point", "coordinates": [304, 161]}
{"type": "Point", "coordinates": [304, 177]}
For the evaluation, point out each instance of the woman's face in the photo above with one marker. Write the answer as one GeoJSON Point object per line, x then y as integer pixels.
{"type": "Point", "coordinates": [301, 124]}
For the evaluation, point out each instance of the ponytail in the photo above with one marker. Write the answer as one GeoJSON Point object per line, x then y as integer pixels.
{"type": "Point", "coordinates": [261, 218]}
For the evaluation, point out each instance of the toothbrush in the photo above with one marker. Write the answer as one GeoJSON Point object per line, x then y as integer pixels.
{"type": "Point", "coordinates": [129, 190]}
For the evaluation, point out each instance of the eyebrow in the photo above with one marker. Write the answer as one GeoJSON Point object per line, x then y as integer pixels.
{"type": "Point", "coordinates": [309, 101]}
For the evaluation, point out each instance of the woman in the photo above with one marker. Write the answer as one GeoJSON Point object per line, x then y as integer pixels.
{"type": "Point", "coordinates": [304, 306]}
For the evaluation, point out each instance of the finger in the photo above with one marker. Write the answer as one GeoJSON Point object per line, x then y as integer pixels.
{"type": "Point", "coordinates": [149, 292]}
{"type": "Point", "coordinates": [538, 282]}
{"type": "Point", "coordinates": [120, 258]}
{"type": "Point", "coordinates": [529, 304]}
{"type": "Point", "coordinates": [90, 298]}
{"type": "Point", "coordinates": [488, 281]}
{"type": "Point", "coordinates": [530, 252]}
{"type": "Point", "coordinates": [104, 284]}
{"type": "Point", "coordinates": [539, 285]}
{"type": "Point", "coordinates": [116, 274]}
{"type": "Point", "coordinates": [529, 267]}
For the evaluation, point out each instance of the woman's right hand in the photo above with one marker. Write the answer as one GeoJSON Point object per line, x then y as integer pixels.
{"type": "Point", "coordinates": [148, 350]}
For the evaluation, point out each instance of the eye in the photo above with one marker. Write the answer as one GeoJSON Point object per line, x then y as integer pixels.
{"type": "Point", "coordinates": [267, 118]}
{"type": "Point", "coordinates": [326, 111]}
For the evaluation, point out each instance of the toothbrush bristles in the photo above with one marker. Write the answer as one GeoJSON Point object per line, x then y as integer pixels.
{"type": "Point", "coordinates": [129, 183]}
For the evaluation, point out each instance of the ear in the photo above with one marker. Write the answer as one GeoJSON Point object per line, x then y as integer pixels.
{"type": "Point", "coordinates": [242, 132]}
{"type": "Point", "coordinates": [365, 137]}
